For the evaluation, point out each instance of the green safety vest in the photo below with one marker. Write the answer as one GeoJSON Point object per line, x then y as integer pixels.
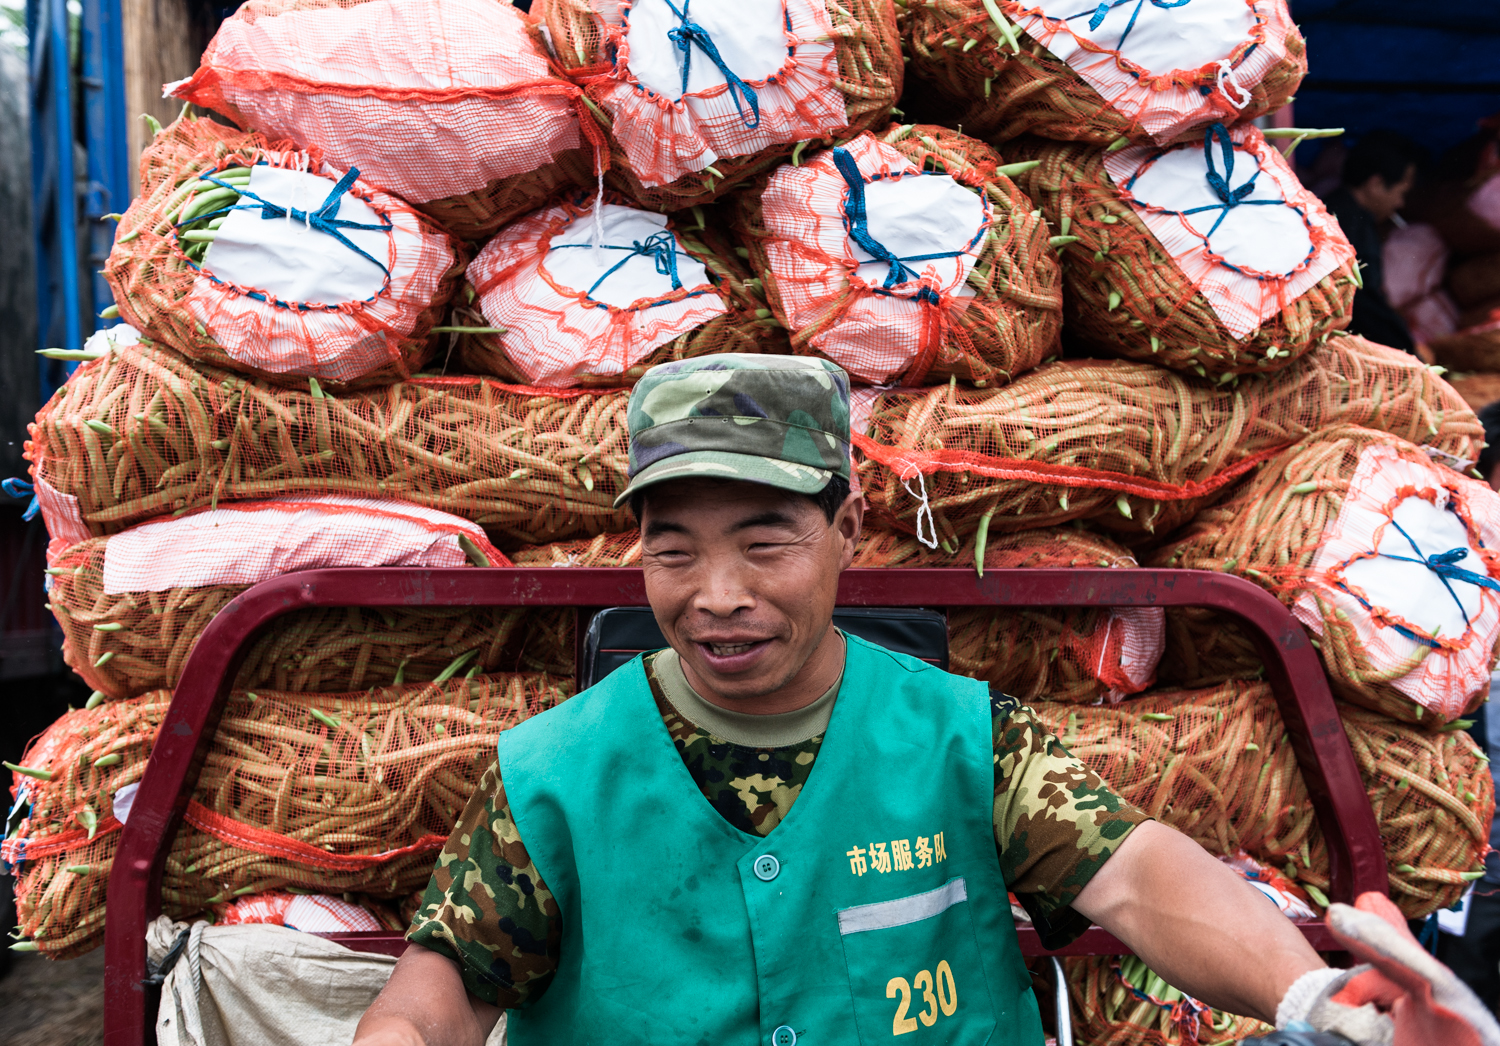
{"type": "Point", "coordinates": [875, 910]}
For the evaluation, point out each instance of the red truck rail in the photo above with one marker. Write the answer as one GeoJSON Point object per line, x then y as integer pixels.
{"type": "Point", "coordinates": [1293, 669]}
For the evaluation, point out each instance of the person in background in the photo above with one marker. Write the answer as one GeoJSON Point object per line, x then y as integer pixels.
{"type": "Point", "coordinates": [1378, 173]}
{"type": "Point", "coordinates": [1475, 955]}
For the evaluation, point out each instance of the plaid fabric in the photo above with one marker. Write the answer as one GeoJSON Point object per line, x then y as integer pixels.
{"type": "Point", "coordinates": [1439, 668]}
{"type": "Point", "coordinates": [60, 513]}
{"type": "Point", "coordinates": [1167, 51]}
{"type": "Point", "coordinates": [428, 98]}
{"type": "Point", "coordinates": [250, 542]}
{"type": "Point", "coordinates": [1242, 295]}
{"type": "Point", "coordinates": [665, 137]}
{"type": "Point", "coordinates": [553, 331]}
{"type": "Point", "coordinates": [311, 913]}
{"type": "Point", "coordinates": [815, 264]}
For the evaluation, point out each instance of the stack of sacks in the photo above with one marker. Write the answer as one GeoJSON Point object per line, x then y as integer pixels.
{"type": "Point", "coordinates": [1090, 317]}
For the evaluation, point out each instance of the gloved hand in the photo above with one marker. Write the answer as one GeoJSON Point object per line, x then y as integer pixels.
{"type": "Point", "coordinates": [1399, 996]}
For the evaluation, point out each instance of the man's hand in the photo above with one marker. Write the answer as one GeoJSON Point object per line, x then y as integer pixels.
{"type": "Point", "coordinates": [1195, 922]}
{"type": "Point", "coordinates": [425, 1004]}
{"type": "Point", "coordinates": [1401, 995]}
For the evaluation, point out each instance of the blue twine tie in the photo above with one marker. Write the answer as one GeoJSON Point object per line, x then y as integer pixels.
{"type": "Point", "coordinates": [1097, 15]}
{"type": "Point", "coordinates": [1443, 566]}
{"type": "Point", "coordinates": [857, 220]}
{"type": "Point", "coordinates": [325, 219]}
{"type": "Point", "coordinates": [690, 34]}
{"type": "Point", "coordinates": [1229, 197]}
{"type": "Point", "coordinates": [660, 247]}
{"type": "Point", "coordinates": [18, 489]}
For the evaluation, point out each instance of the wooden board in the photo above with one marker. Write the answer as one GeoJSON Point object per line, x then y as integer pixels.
{"type": "Point", "coordinates": [163, 41]}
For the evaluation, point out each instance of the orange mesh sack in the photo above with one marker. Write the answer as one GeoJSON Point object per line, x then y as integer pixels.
{"type": "Point", "coordinates": [1388, 558]}
{"type": "Point", "coordinates": [1082, 654]}
{"type": "Point", "coordinates": [576, 314]}
{"type": "Point", "coordinates": [133, 605]}
{"type": "Point", "coordinates": [349, 792]}
{"type": "Point", "coordinates": [1210, 256]}
{"type": "Point", "coordinates": [449, 104]}
{"type": "Point", "coordinates": [140, 432]}
{"type": "Point", "coordinates": [907, 257]}
{"type": "Point", "coordinates": [1217, 765]}
{"type": "Point", "coordinates": [1145, 72]}
{"type": "Point", "coordinates": [266, 259]}
{"type": "Point", "coordinates": [1129, 446]}
{"type": "Point", "coordinates": [699, 96]}
{"type": "Point", "coordinates": [1120, 1001]}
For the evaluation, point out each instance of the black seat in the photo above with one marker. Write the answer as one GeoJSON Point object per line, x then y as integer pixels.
{"type": "Point", "coordinates": [617, 634]}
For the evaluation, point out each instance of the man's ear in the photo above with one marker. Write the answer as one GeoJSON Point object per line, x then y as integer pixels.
{"type": "Point", "coordinates": [848, 521]}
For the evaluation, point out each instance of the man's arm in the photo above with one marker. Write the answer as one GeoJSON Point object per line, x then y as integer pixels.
{"type": "Point", "coordinates": [1195, 922]}
{"type": "Point", "coordinates": [425, 1004]}
{"type": "Point", "coordinates": [485, 937]}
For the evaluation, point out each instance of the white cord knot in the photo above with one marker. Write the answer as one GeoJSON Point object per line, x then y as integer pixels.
{"type": "Point", "coordinates": [1226, 75]}
{"type": "Point", "coordinates": [924, 510]}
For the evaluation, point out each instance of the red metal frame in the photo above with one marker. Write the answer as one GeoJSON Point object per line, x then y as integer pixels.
{"type": "Point", "coordinates": [1293, 668]}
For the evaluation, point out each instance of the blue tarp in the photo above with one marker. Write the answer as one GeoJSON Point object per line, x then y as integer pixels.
{"type": "Point", "coordinates": [1429, 70]}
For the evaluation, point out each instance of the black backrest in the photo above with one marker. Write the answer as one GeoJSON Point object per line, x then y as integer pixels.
{"type": "Point", "coordinates": [617, 634]}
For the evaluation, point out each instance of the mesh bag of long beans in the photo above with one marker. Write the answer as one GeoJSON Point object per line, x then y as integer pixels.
{"type": "Point", "coordinates": [1208, 256]}
{"type": "Point", "coordinates": [133, 605]}
{"type": "Point", "coordinates": [553, 307]}
{"type": "Point", "coordinates": [452, 105]}
{"type": "Point", "coordinates": [1120, 1001]}
{"type": "Point", "coordinates": [1385, 556]}
{"type": "Point", "coordinates": [139, 433]}
{"type": "Point", "coordinates": [1082, 654]}
{"type": "Point", "coordinates": [696, 98]}
{"type": "Point", "coordinates": [259, 257]}
{"type": "Point", "coordinates": [1146, 72]}
{"type": "Point", "coordinates": [349, 792]}
{"type": "Point", "coordinates": [1129, 446]}
{"type": "Point", "coordinates": [1217, 765]}
{"type": "Point", "coordinates": [906, 256]}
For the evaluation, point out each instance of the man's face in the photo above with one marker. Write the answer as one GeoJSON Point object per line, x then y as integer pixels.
{"type": "Point", "coordinates": [742, 579]}
{"type": "Point", "coordinates": [1383, 200]}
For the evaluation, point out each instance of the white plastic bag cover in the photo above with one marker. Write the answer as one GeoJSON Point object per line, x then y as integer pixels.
{"type": "Point", "coordinates": [933, 225]}
{"type": "Point", "coordinates": [1148, 58]}
{"type": "Point", "coordinates": [779, 53]}
{"type": "Point", "coordinates": [1235, 219]}
{"type": "Point", "coordinates": [290, 259]}
{"type": "Point", "coordinates": [568, 309]}
{"type": "Point", "coordinates": [1388, 562]}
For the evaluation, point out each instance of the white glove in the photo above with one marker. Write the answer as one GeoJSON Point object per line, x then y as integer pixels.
{"type": "Point", "coordinates": [1308, 1005]}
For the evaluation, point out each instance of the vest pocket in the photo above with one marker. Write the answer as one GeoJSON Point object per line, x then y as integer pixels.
{"type": "Point", "coordinates": [915, 970]}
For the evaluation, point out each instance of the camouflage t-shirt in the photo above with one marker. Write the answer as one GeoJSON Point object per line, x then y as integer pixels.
{"type": "Point", "coordinates": [487, 908]}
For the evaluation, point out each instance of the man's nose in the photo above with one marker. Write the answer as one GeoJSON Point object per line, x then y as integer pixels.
{"type": "Point", "coordinates": [722, 592]}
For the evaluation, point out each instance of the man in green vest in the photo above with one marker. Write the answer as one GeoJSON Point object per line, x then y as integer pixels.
{"type": "Point", "coordinates": [773, 832]}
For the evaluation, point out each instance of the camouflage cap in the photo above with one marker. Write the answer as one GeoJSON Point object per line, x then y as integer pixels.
{"type": "Point", "coordinates": [778, 420]}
